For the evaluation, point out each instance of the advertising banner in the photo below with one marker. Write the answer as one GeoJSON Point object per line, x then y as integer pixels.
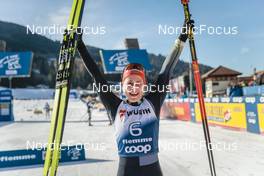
{"type": "Point", "coordinates": [231, 115]}
{"type": "Point", "coordinates": [260, 107]}
{"type": "Point", "coordinates": [15, 64]}
{"type": "Point", "coordinates": [16, 158]}
{"type": "Point", "coordinates": [180, 109]}
{"type": "Point", "coordinates": [6, 105]}
{"type": "Point", "coordinates": [114, 61]}
{"type": "Point", "coordinates": [252, 114]}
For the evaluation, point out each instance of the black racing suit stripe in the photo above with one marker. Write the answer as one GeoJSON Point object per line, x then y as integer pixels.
{"type": "Point", "coordinates": [109, 99]}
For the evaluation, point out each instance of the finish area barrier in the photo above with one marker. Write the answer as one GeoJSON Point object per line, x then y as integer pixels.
{"type": "Point", "coordinates": [239, 113]}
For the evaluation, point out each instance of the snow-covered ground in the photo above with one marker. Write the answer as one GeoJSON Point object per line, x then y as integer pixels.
{"type": "Point", "coordinates": [236, 153]}
{"type": "Point", "coordinates": [33, 110]}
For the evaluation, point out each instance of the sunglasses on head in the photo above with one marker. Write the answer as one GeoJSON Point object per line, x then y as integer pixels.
{"type": "Point", "coordinates": [135, 66]}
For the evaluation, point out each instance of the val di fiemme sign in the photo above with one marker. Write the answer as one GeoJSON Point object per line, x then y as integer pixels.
{"type": "Point", "coordinates": [15, 64]}
{"type": "Point", "coordinates": [114, 61]}
{"type": "Point", "coordinates": [28, 157]}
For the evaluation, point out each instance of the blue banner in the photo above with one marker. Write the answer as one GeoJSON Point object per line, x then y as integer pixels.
{"type": "Point", "coordinates": [252, 114]}
{"type": "Point", "coordinates": [114, 61]}
{"type": "Point", "coordinates": [6, 98]}
{"type": "Point", "coordinates": [16, 158]}
{"type": "Point", "coordinates": [15, 64]}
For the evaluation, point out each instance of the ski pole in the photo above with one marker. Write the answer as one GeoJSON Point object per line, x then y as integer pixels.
{"type": "Point", "coordinates": [198, 84]}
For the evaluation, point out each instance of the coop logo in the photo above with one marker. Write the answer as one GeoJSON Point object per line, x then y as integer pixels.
{"type": "Point", "coordinates": [180, 100]}
{"type": "Point", "coordinates": [12, 62]}
{"type": "Point", "coordinates": [121, 60]}
{"type": "Point", "coordinates": [74, 154]}
{"type": "Point", "coordinates": [186, 100]}
{"type": "Point", "coordinates": [225, 100]}
{"type": "Point", "coordinates": [261, 99]}
{"type": "Point", "coordinates": [250, 100]}
{"type": "Point", "coordinates": [251, 117]}
{"type": "Point", "coordinates": [192, 100]}
{"type": "Point", "coordinates": [138, 149]}
{"type": "Point", "coordinates": [237, 99]}
{"type": "Point", "coordinates": [252, 121]}
{"type": "Point", "coordinates": [215, 100]}
{"type": "Point", "coordinates": [208, 100]}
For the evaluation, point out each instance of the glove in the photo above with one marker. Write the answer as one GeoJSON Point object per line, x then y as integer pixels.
{"type": "Point", "coordinates": [187, 26]}
{"type": "Point", "coordinates": [79, 33]}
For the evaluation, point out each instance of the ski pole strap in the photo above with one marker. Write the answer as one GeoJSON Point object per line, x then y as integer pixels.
{"type": "Point", "coordinates": [185, 1]}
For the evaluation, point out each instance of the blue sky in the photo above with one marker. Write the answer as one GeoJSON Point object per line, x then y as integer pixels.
{"type": "Point", "coordinates": [141, 19]}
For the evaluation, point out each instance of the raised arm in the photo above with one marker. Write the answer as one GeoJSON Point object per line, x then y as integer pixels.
{"type": "Point", "coordinates": [109, 99]}
{"type": "Point", "coordinates": [167, 68]}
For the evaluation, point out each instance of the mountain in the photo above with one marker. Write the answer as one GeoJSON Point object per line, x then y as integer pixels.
{"type": "Point", "coordinates": [44, 68]}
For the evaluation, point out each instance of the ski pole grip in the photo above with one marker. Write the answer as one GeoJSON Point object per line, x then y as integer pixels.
{"type": "Point", "coordinates": [184, 2]}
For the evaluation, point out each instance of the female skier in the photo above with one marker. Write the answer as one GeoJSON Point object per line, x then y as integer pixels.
{"type": "Point", "coordinates": [136, 119]}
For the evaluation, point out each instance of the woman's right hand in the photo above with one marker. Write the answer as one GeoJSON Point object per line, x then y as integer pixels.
{"type": "Point", "coordinates": [185, 30]}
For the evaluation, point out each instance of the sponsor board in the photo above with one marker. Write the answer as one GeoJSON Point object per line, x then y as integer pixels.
{"type": "Point", "coordinates": [114, 61]}
{"type": "Point", "coordinates": [231, 115]}
{"type": "Point", "coordinates": [236, 112]}
{"type": "Point", "coordinates": [261, 117]}
{"type": "Point", "coordinates": [16, 158]}
{"type": "Point", "coordinates": [6, 113]}
{"type": "Point", "coordinates": [15, 64]}
{"type": "Point", "coordinates": [252, 114]}
{"type": "Point", "coordinates": [180, 111]}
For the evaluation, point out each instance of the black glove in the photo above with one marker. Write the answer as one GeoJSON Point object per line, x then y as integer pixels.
{"type": "Point", "coordinates": [79, 33]}
{"type": "Point", "coordinates": [187, 26]}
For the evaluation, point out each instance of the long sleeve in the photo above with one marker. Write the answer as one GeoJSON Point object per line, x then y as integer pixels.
{"type": "Point", "coordinates": [157, 97]}
{"type": "Point", "coordinates": [109, 99]}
